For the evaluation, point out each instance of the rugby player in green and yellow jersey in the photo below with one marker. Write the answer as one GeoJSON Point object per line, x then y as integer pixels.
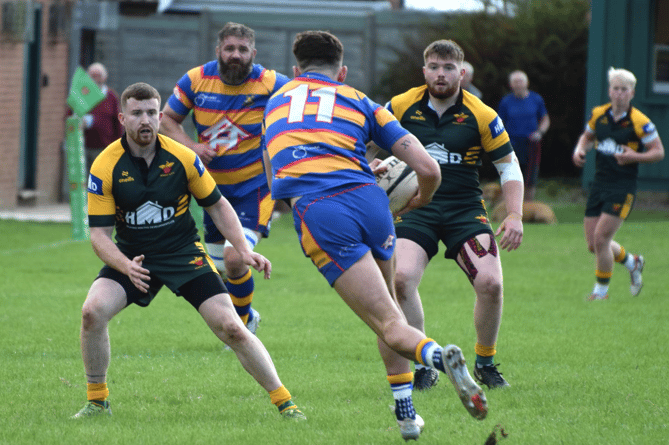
{"type": "Point", "coordinates": [141, 186]}
{"type": "Point", "coordinates": [456, 128]}
{"type": "Point", "coordinates": [623, 138]}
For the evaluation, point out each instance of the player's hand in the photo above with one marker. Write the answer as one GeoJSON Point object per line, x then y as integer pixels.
{"type": "Point", "coordinates": [138, 275]}
{"type": "Point", "coordinates": [205, 152]}
{"type": "Point", "coordinates": [258, 262]}
{"type": "Point", "coordinates": [626, 157]}
{"type": "Point", "coordinates": [535, 136]}
{"type": "Point", "coordinates": [512, 226]}
{"type": "Point", "coordinates": [416, 202]}
{"type": "Point", "coordinates": [578, 158]}
{"type": "Point", "coordinates": [374, 165]}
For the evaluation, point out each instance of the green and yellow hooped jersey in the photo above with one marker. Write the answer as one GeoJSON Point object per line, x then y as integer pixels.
{"type": "Point", "coordinates": [149, 206]}
{"type": "Point", "coordinates": [633, 130]}
{"type": "Point", "coordinates": [457, 140]}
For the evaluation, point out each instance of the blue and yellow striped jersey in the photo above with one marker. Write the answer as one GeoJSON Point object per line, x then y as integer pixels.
{"type": "Point", "coordinates": [316, 131]}
{"type": "Point", "coordinates": [229, 119]}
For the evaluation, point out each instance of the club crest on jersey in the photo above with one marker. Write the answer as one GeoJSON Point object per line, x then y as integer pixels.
{"type": "Point", "coordinates": [496, 127]}
{"type": "Point", "coordinates": [94, 184]}
{"type": "Point", "coordinates": [167, 168]}
{"type": "Point", "coordinates": [483, 219]}
{"type": "Point", "coordinates": [198, 261]}
{"type": "Point", "coordinates": [460, 118]}
{"type": "Point", "coordinates": [248, 101]}
{"type": "Point", "coordinates": [199, 166]}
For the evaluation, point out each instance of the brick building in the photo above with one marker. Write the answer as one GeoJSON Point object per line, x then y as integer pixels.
{"type": "Point", "coordinates": [34, 51]}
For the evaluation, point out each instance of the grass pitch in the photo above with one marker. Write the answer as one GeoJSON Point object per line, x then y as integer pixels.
{"type": "Point", "coordinates": [580, 372]}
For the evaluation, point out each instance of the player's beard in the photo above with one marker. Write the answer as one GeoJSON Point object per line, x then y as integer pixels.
{"type": "Point", "coordinates": [234, 73]}
{"type": "Point", "coordinates": [442, 92]}
{"type": "Point", "coordinates": [142, 139]}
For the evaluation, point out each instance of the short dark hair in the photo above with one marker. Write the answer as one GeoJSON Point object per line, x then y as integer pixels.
{"type": "Point", "coordinates": [139, 91]}
{"type": "Point", "coordinates": [237, 30]}
{"type": "Point", "coordinates": [446, 49]}
{"type": "Point", "coordinates": [317, 48]}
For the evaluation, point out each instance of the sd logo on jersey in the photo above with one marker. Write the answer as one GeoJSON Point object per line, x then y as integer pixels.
{"type": "Point", "coordinates": [94, 184]}
{"type": "Point", "coordinates": [199, 166]}
{"type": "Point", "coordinates": [496, 127]}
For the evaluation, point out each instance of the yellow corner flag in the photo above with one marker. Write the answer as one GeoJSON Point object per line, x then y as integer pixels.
{"type": "Point", "coordinates": [84, 93]}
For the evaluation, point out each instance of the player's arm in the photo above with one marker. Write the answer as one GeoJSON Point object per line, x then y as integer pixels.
{"type": "Point", "coordinates": [105, 248]}
{"type": "Point", "coordinates": [227, 222]}
{"type": "Point", "coordinates": [409, 149]}
{"type": "Point", "coordinates": [584, 144]}
{"type": "Point", "coordinates": [511, 179]}
{"type": "Point", "coordinates": [171, 126]}
{"type": "Point", "coordinates": [654, 153]}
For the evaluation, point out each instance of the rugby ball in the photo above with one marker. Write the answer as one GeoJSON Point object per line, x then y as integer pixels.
{"type": "Point", "coordinates": [399, 182]}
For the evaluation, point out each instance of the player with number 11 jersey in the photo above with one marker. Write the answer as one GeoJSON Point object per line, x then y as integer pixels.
{"type": "Point", "coordinates": [315, 135]}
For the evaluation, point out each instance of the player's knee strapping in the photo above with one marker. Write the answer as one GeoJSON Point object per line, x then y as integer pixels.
{"type": "Point", "coordinates": [215, 252]}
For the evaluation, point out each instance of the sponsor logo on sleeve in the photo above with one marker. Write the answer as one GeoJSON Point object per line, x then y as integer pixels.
{"type": "Point", "coordinates": [199, 166]}
{"type": "Point", "coordinates": [649, 128]}
{"type": "Point", "coordinates": [496, 127]}
{"type": "Point", "coordinates": [94, 184]}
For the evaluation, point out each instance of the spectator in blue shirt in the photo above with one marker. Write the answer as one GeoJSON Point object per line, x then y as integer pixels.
{"type": "Point", "coordinates": [526, 120]}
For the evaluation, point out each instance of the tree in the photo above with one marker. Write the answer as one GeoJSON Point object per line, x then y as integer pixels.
{"type": "Point", "coordinates": [547, 40]}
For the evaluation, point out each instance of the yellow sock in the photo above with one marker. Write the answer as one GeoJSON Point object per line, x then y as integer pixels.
{"type": "Point", "coordinates": [621, 256]}
{"type": "Point", "coordinates": [280, 396]}
{"type": "Point", "coordinates": [97, 391]}
{"type": "Point", "coordinates": [419, 350]}
{"type": "Point", "coordinates": [485, 351]}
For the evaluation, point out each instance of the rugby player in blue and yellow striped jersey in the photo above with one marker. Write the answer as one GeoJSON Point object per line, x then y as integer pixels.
{"type": "Point", "coordinates": [227, 97]}
{"type": "Point", "coordinates": [141, 185]}
{"type": "Point", "coordinates": [316, 130]}
{"type": "Point", "coordinates": [623, 138]}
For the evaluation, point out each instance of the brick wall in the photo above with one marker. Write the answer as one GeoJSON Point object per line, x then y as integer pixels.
{"type": "Point", "coordinates": [52, 120]}
{"type": "Point", "coordinates": [52, 108]}
{"type": "Point", "coordinates": [11, 91]}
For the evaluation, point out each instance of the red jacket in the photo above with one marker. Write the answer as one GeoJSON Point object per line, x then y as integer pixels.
{"type": "Point", "coordinates": [106, 127]}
